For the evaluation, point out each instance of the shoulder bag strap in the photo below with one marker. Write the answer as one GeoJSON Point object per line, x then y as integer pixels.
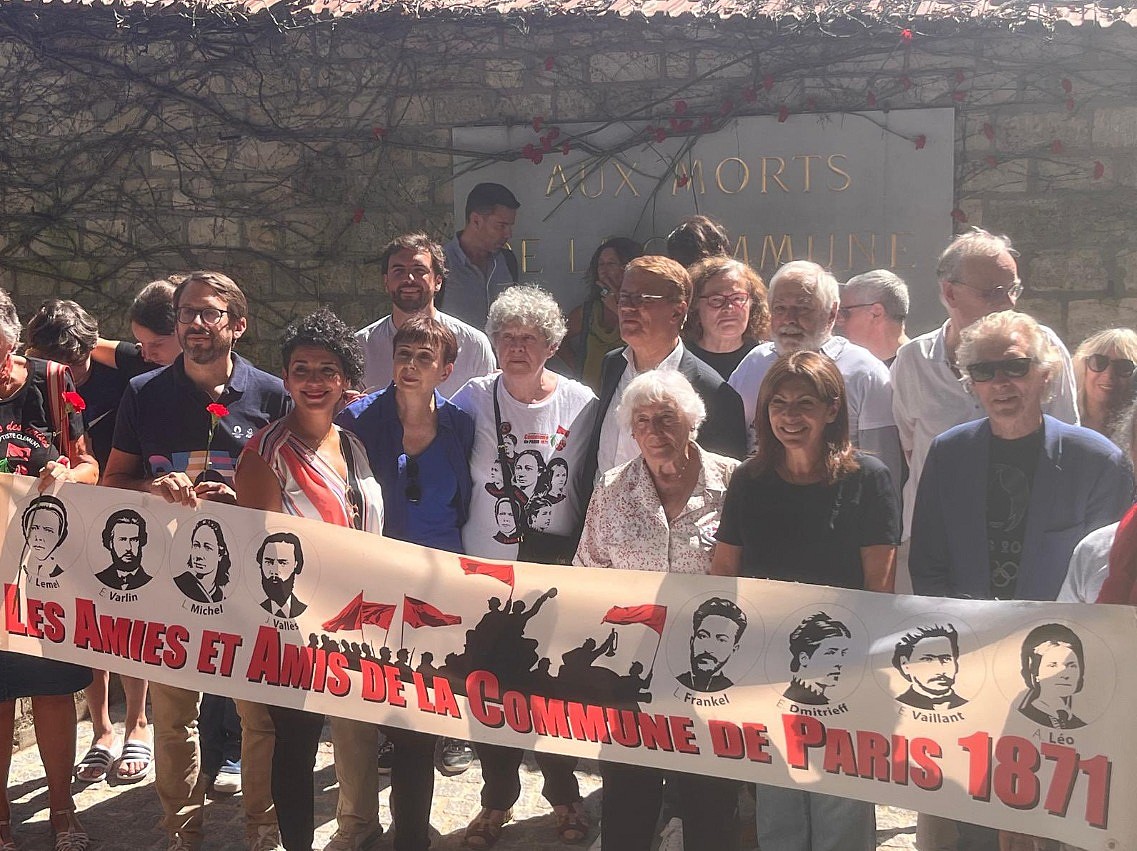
{"type": "Point", "coordinates": [56, 386]}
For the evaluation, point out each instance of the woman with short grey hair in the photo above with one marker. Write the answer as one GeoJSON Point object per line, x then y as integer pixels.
{"type": "Point", "coordinates": [660, 512]}
{"type": "Point", "coordinates": [527, 506]}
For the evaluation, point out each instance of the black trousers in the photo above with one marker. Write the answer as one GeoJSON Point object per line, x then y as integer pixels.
{"type": "Point", "coordinates": [412, 787]}
{"type": "Point", "coordinates": [501, 784]}
{"type": "Point", "coordinates": [632, 796]}
{"type": "Point", "coordinates": [293, 767]}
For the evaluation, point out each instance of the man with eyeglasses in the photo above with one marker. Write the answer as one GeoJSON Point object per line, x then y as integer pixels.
{"type": "Point", "coordinates": [654, 296]}
{"type": "Point", "coordinates": [873, 308]}
{"type": "Point", "coordinates": [804, 300]}
{"type": "Point", "coordinates": [162, 445]}
{"type": "Point", "coordinates": [414, 269]}
{"type": "Point", "coordinates": [977, 275]}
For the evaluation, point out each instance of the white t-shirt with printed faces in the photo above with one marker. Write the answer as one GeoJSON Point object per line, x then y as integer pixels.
{"type": "Point", "coordinates": [546, 444]}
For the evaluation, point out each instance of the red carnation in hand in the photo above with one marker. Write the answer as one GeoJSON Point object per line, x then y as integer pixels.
{"type": "Point", "coordinates": [74, 402]}
{"type": "Point", "coordinates": [214, 408]}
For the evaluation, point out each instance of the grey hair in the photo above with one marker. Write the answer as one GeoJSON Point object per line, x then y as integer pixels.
{"type": "Point", "coordinates": [1120, 340]}
{"type": "Point", "coordinates": [1003, 324]}
{"type": "Point", "coordinates": [531, 307]}
{"type": "Point", "coordinates": [977, 242]}
{"type": "Point", "coordinates": [885, 287]}
{"type": "Point", "coordinates": [814, 277]}
{"type": "Point", "coordinates": [10, 327]}
{"type": "Point", "coordinates": [658, 386]}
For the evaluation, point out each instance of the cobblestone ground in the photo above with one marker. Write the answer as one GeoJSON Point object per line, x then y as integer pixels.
{"type": "Point", "coordinates": [126, 818]}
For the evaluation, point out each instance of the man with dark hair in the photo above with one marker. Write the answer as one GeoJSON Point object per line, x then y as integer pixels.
{"type": "Point", "coordinates": [414, 268]}
{"type": "Point", "coordinates": [716, 630]}
{"type": "Point", "coordinates": [281, 560]}
{"type": "Point", "coordinates": [168, 443]}
{"type": "Point", "coordinates": [928, 657]}
{"type": "Point", "coordinates": [480, 266]}
{"type": "Point", "coordinates": [124, 536]}
{"type": "Point", "coordinates": [818, 647]}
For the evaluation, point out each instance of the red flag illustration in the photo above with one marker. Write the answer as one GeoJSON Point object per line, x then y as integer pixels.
{"type": "Point", "coordinates": [359, 612]}
{"type": "Point", "coordinates": [500, 572]}
{"type": "Point", "coordinates": [650, 615]}
{"type": "Point", "coordinates": [416, 613]}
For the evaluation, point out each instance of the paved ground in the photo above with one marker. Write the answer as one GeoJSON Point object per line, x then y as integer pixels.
{"type": "Point", "coordinates": [125, 818]}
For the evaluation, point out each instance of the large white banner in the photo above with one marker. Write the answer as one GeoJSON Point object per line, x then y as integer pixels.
{"type": "Point", "coordinates": [1012, 715]}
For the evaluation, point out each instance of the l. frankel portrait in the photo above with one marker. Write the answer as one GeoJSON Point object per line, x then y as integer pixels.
{"type": "Point", "coordinates": [124, 537]}
{"type": "Point", "coordinates": [44, 522]}
{"type": "Point", "coordinates": [281, 560]}
{"type": "Point", "coordinates": [1053, 668]}
{"type": "Point", "coordinates": [716, 630]}
{"type": "Point", "coordinates": [208, 564]}
{"type": "Point", "coordinates": [818, 647]}
{"type": "Point", "coordinates": [928, 658]}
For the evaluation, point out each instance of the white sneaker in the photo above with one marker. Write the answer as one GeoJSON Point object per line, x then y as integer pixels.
{"type": "Point", "coordinates": [267, 839]}
{"type": "Point", "coordinates": [359, 841]}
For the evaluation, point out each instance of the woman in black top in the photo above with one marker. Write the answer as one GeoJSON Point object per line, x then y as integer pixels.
{"type": "Point", "coordinates": [728, 316]}
{"type": "Point", "coordinates": [809, 508]}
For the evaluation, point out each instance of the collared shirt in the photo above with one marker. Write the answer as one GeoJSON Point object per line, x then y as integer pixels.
{"type": "Point", "coordinates": [475, 354]}
{"type": "Point", "coordinates": [928, 398]}
{"type": "Point", "coordinates": [469, 291]}
{"type": "Point", "coordinates": [162, 419]}
{"type": "Point", "coordinates": [626, 526]}
{"type": "Point", "coordinates": [617, 444]}
{"type": "Point", "coordinates": [1089, 566]}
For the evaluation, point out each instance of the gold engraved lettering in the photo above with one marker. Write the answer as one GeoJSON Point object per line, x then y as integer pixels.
{"type": "Point", "coordinates": [694, 178]}
{"type": "Point", "coordinates": [556, 173]}
{"type": "Point", "coordinates": [805, 158]}
{"type": "Point", "coordinates": [776, 250]}
{"type": "Point", "coordinates": [582, 177]}
{"type": "Point", "coordinates": [572, 254]}
{"type": "Point", "coordinates": [817, 258]}
{"type": "Point", "coordinates": [625, 178]}
{"type": "Point", "coordinates": [744, 175]}
{"type": "Point", "coordinates": [868, 254]}
{"type": "Point", "coordinates": [775, 176]}
{"type": "Point", "coordinates": [833, 167]}
{"type": "Point", "coordinates": [526, 257]}
{"type": "Point", "coordinates": [742, 250]}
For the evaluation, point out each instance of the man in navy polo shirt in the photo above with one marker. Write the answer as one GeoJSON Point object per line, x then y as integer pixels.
{"type": "Point", "coordinates": [160, 448]}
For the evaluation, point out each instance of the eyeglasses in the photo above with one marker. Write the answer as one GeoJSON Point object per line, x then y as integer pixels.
{"type": "Point", "coordinates": [1010, 368]}
{"type": "Point", "coordinates": [719, 300]}
{"type": "Point", "coordinates": [995, 295]}
{"type": "Point", "coordinates": [413, 490]}
{"type": "Point", "coordinates": [209, 315]}
{"type": "Point", "coordinates": [1121, 367]}
{"type": "Point", "coordinates": [844, 312]}
{"type": "Point", "coordinates": [626, 299]}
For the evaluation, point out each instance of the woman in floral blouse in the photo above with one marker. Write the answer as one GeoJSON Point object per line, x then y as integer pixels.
{"type": "Point", "coordinates": [660, 512]}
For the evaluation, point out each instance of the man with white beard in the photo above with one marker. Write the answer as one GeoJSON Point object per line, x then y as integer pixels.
{"type": "Point", "coordinates": [804, 300]}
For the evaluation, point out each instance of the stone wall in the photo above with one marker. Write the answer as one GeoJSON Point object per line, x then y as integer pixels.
{"type": "Point", "coordinates": [288, 156]}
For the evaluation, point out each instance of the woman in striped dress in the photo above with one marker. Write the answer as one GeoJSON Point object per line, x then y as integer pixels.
{"type": "Point", "coordinates": [306, 466]}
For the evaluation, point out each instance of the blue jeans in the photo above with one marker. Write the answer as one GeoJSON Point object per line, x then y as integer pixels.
{"type": "Point", "coordinates": [796, 820]}
{"type": "Point", "coordinates": [219, 728]}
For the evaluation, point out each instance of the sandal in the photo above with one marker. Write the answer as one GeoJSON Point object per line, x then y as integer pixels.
{"type": "Point", "coordinates": [74, 838]}
{"type": "Point", "coordinates": [6, 844]}
{"type": "Point", "coordinates": [133, 750]}
{"type": "Point", "coordinates": [572, 822]}
{"type": "Point", "coordinates": [485, 829]}
{"type": "Point", "coordinates": [95, 764]}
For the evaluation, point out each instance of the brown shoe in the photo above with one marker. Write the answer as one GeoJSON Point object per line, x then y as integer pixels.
{"type": "Point", "coordinates": [485, 829]}
{"type": "Point", "coordinates": [572, 822]}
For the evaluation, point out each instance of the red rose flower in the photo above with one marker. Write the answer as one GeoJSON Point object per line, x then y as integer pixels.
{"type": "Point", "coordinates": [74, 402]}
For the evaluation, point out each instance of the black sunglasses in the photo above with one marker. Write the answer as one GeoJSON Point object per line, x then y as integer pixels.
{"type": "Point", "coordinates": [413, 491]}
{"type": "Point", "coordinates": [1121, 367]}
{"type": "Point", "coordinates": [1010, 368]}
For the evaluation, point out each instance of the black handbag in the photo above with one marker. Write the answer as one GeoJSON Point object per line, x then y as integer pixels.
{"type": "Point", "coordinates": [533, 545]}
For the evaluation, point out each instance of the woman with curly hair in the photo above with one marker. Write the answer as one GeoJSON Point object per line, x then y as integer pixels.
{"type": "Point", "coordinates": [729, 315]}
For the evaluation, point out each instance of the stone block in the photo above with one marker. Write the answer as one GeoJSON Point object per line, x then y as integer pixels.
{"type": "Point", "coordinates": [716, 65]}
{"type": "Point", "coordinates": [504, 73]}
{"type": "Point", "coordinates": [1088, 316]}
{"type": "Point", "coordinates": [1127, 270]}
{"type": "Point", "coordinates": [1032, 131]}
{"type": "Point", "coordinates": [262, 155]}
{"type": "Point", "coordinates": [1008, 176]}
{"type": "Point", "coordinates": [623, 66]}
{"type": "Point", "coordinates": [1047, 311]}
{"type": "Point", "coordinates": [677, 65]}
{"type": "Point", "coordinates": [413, 110]}
{"type": "Point", "coordinates": [1070, 269]}
{"type": "Point", "coordinates": [519, 107]}
{"type": "Point", "coordinates": [1115, 127]}
{"type": "Point", "coordinates": [215, 231]}
{"type": "Point", "coordinates": [1058, 173]}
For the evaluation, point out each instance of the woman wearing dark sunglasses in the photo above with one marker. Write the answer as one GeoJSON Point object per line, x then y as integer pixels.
{"type": "Point", "coordinates": [1103, 367]}
{"type": "Point", "coordinates": [1004, 500]}
{"type": "Point", "coordinates": [419, 445]}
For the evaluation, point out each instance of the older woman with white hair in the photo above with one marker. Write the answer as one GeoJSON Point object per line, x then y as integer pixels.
{"type": "Point", "coordinates": [1103, 368]}
{"type": "Point", "coordinates": [660, 512]}
{"type": "Point", "coordinates": [524, 510]}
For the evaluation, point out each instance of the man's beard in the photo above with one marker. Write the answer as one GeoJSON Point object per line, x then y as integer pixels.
{"type": "Point", "coordinates": [409, 302]}
{"type": "Point", "coordinates": [127, 564]}
{"type": "Point", "coordinates": [699, 671]}
{"type": "Point", "coordinates": [278, 590]}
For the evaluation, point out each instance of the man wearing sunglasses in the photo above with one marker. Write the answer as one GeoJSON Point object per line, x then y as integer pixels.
{"type": "Point", "coordinates": [872, 313]}
{"type": "Point", "coordinates": [167, 443]}
{"type": "Point", "coordinates": [652, 303]}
